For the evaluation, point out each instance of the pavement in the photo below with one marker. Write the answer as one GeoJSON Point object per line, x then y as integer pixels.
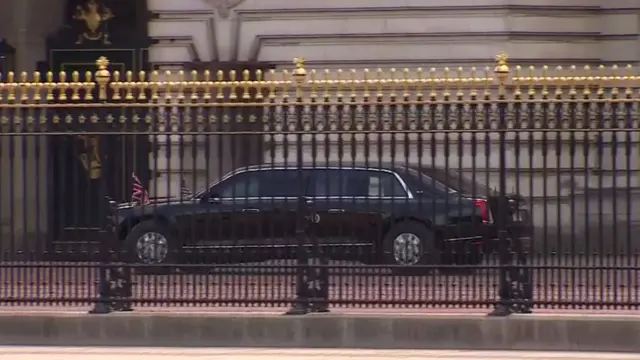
{"type": "Point", "coordinates": [96, 353]}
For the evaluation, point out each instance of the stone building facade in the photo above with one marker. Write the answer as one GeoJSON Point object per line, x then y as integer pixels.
{"type": "Point", "coordinates": [346, 34]}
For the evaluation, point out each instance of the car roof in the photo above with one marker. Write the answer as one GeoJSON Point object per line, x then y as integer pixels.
{"type": "Point", "coordinates": [330, 164]}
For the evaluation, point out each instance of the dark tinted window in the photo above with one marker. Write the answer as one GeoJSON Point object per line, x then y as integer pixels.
{"type": "Point", "coordinates": [265, 183]}
{"type": "Point", "coordinates": [436, 178]}
{"type": "Point", "coordinates": [348, 182]}
{"type": "Point", "coordinates": [279, 183]}
{"type": "Point", "coordinates": [246, 184]}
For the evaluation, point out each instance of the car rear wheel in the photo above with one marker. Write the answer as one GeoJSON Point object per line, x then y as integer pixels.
{"type": "Point", "coordinates": [407, 246]}
{"type": "Point", "coordinates": [151, 244]}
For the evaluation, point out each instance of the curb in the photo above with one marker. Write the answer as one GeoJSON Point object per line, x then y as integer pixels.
{"type": "Point", "coordinates": [517, 332]}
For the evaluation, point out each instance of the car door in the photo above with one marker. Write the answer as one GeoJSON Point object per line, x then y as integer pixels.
{"type": "Point", "coordinates": [279, 189]}
{"type": "Point", "coordinates": [379, 198]}
{"type": "Point", "coordinates": [233, 218]}
{"type": "Point", "coordinates": [345, 212]}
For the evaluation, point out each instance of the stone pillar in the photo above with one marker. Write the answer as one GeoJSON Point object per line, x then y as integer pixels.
{"type": "Point", "coordinates": [23, 160]}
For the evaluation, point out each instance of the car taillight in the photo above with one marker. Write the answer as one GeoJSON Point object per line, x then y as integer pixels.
{"type": "Point", "coordinates": [484, 210]}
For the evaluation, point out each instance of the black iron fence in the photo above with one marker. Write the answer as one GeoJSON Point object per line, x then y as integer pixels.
{"type": "Point", "coordinates": [496, 188]}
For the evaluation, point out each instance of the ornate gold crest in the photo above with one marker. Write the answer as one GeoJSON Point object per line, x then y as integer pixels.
{"type": "Point", "coordinates": [90, 158]}
{"type": "Point", "coordinates": [94, 15]}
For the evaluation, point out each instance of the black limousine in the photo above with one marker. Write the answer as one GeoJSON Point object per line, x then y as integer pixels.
{"type": "Point", "coordinates": [378, 214]}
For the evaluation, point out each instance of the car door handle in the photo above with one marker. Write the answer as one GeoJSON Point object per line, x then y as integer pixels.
{"type": "Point", "coordinates": [251, 210]}
{"type": "Point", "coordinates": [335, 211]}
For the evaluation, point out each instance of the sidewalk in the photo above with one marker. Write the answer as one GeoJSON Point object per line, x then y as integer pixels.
{"type": "Point", "coordinates": [93, 353]}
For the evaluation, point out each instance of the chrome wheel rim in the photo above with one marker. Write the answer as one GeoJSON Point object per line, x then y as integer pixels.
{"type": "Point", "coordinates": [152, 248]}
{"type": "Point", "coordinates": [406, 249]}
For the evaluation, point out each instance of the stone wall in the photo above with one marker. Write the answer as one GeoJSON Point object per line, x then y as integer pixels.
{"type": "Point", "coordinates": [25, 25]}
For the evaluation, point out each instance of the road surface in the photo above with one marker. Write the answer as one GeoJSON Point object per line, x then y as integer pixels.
{"type": "Point", "coordinates": [62, 353]}
{"type": "Point", "coordinates": [599, 283]}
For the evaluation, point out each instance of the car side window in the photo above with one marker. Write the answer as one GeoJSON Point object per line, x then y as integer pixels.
{"type": "Point", "coordinates": [279, 183]}
{"type": "Point", "coordinates": [328, 182]}
{"type": "Point", "coordinates": [353, 182]}
{"type": "Point", "coordinates": [380, 184]}
{"type": "Point", "coordinates": [246, 184]}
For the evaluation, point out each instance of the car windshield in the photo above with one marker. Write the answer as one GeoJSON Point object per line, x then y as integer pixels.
{"type": "Point", "coordinates": [429, 180]}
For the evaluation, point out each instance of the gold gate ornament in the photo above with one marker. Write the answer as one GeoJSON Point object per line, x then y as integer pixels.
{"type": "Point", "coordinates": [94, 15]}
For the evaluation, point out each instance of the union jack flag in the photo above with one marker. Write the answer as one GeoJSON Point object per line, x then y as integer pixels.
{"type": "Point", "coordinates": [185, 192]}
{"type": "Point", "coordinates": [138, 193]}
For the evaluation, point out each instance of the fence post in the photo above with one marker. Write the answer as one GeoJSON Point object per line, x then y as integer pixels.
{"type": "Point", "coordinates": [103, 304]}
{"type": "Point", "coordinates": [513, 282]}
{"type": "Point", "coordinates": [301, 304]}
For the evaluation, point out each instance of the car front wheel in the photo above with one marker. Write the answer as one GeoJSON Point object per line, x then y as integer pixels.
{"type": "Point", "coordinates": [407, 246]}
{"type": "Point", "coordinates": [151, 245]}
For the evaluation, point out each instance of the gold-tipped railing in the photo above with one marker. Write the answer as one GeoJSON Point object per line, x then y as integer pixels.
{"type": "Point", "coordinates": [300, 85]}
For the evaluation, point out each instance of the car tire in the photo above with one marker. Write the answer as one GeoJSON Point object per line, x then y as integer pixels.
{"type": "Point", "coordinates": [153, 231]}
{"type": "Point", "coordinates": [406, 232]}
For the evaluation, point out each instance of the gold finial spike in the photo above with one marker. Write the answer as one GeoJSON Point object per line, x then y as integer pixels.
{"type": "Point", "coordinates": [532, 82]}
{"type": "Point", "coordinates": [63, 86]}
{"type": "Point", "coordinates": [406, 95]}
{"type": "Point", "coordinates": [102, 76]}
{"type": "Point", "coordinates": [300, 72]}
{"type": "Point", "coordinates": [545, 81]}
{"type": "Point", "coordinates": [75, 86]}
{"type": "Point", "coordinates": [271, 81]}
{"type": "Point", "coordinates": [447, 79]}
{"type": "Point", "coordinates": [181, 84]}
{"type": "Point", "coordinates": [246, 84]}
{"type": "Point", "coordinates": [516, 81]}
{"type": "Point", "coordinates": [601, 79]}
{"type": "Point", "coordinates": [365, 81]}
{"type": "Point", "coordinates": [473, 79]}
{"type": "Point", "coordinates": [154, 85]}
{"type": "Point", "coordinates": [589, 80]}
{"type": "Point", "coordinates": [314, 85]}
{"type": "Point", "coordinates": [233, 80]}
{"type": "Point", "coordinates": [11, 86]}
{"type": "Point", "coordinates": [339, 83]}
{"type": "Point", "coordinates": [353, 82]}
{"type": "Point", "coordinates": [37, 86]}
{"type": "Point", "coordinates": [50, 86]}
{"type": "Point", "coordinates": [433, 82]}
{"type": "Point", "coordinates": [142, 77]}
{"type": "Point", "coordinates": [116, 85]}
{"type": "Point", "coordinates": [326, 81]}
{"type": "Point", "coordinates": [299, 76]}
{"type": "Point", "coordinates": [420, 81]}
{"type": "Point", "coordinates": [459, 80]}
{"type": "Point", "coordinates": [207, 85]}
{"type": "Point", "coordinates": [559, 80]}
{"type": "Point", "coordinates": [195, 86]}
{"type": "Point", "coordinates": [259, 85]}
{"type": "Point", "coordinates": [501, 70]}
{"type": "Point", "coordinates": [628, 79]}
{"type": "Point", "coordinates": [286, 82]}
{"type": "Point", "coordinates": [168, 87]}
{"type": "Point", "coordinates": [24, 86]}
{"type": "Point", "coordinates": [129, 86]}
{"type": "Point", "coordinates": [572, 81]}
{"type": "Point", "coordinates": [88, 86]}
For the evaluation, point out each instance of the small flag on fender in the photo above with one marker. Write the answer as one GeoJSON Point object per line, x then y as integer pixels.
{"type": "Point", "coordinates": [138, 193]}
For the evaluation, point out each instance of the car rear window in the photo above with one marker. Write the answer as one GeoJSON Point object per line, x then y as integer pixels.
{"type": "Point", "coordinates": [448, 180]}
